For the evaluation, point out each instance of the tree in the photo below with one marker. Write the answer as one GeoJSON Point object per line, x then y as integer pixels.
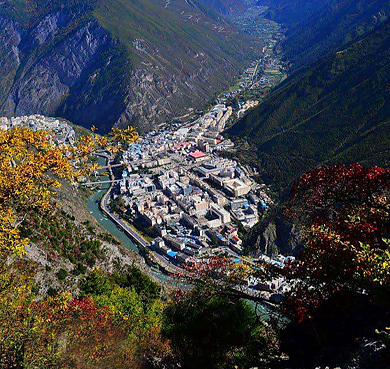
{"type": "Point", "coordinates": [32, 329]}
{"type": "Point", "coordinates": [340, 284]}
{"type": "Point", "coordinates": [217, 332]}
{"type": "Point", "coordinates": [345, 215]}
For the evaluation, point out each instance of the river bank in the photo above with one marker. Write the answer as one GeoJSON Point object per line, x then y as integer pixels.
{"type": "Point", "coordinates": [109, 225]}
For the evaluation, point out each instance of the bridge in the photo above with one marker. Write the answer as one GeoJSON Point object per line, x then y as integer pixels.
{"type": "Point", "coordinates": [101, 182]}
{"type": "Point", "coordinates": [111, 166]}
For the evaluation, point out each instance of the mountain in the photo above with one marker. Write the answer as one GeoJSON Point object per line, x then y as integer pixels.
{"type": "Point", "coordinates": [226, 7]}
{"type": "Point", "coordinates": [120, 62]}
{"type": "Point", "coordinates": [318, 26]}
{"type": "Point", "coordinates": [335, 111]}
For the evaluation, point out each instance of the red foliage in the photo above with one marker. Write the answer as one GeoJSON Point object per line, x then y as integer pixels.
{"type": "Point", "coordinates": [342, 210]}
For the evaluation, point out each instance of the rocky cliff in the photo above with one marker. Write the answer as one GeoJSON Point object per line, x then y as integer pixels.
{"type": "Point", "coordinates": [273, 236]}
{"type": "Point", "coordinates": [117, 62]}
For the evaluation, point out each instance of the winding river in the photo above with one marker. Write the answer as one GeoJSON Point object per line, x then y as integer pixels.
{"type": "Point", "coordinates": [110, 226]}
{"type": "Point", "coordinates": [107, 224]}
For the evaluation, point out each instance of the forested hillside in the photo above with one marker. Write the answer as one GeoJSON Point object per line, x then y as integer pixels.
{"type": "Point", "coordinates": [115, 62]}
{"type": "Point", "coordinates": [335, 111]}
{"type": "Point", "coordinates": [316, 27]}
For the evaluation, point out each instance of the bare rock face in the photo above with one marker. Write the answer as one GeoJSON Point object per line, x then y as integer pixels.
{"type": "Point", "coordinates": [43, 82]}
{"type": "Point", "coordinates": [10, 38]}
{"type": "Point", "coordinates": [275, 236]}
{"type": "Point", "coordinates": [80, 62]}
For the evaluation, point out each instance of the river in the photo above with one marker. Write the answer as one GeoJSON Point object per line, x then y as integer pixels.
{"type": "Point", "coordinates": [110, 226]}
{"type": "Point", "coordinates": [107, 224]}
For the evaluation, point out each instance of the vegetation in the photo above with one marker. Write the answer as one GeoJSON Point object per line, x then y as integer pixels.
{"type": "Point", "coordinates": [336, 111]}
{"type": "Point", "coordinates": [217, 332]}
{"type": "Point", "coordinates": [342, 278]}
{"type": "Point", "coordinates": [317, 27]}
{"type": "Point", "coordinates": [123, 319]}
{"type": "Point", "coordinates": [56, 232]}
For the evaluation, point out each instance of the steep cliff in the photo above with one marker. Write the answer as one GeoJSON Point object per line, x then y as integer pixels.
{"type": "Point", "coordinates": [274, 235]}
{"type": "Point", "coordinates": [115, 62]}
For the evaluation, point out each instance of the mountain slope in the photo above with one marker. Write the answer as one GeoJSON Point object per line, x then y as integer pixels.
{"type": "Point", "coordinates": [226, 7]}
{"type": "Point", "coordinates": [337, 111]}
{"type": "Point", "coordinates": [316, 27]}
{"type": "Point", "coordinates": [114, 62]}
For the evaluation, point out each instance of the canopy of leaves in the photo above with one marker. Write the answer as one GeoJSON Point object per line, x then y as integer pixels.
{"type": "Point", "coordinates": [342, 277]}
{"type": "Point", "coordinates": [216, 332]}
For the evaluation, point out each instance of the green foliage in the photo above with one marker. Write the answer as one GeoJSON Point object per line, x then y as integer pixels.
{"type": "Point", "coordinates": [95, 283]}
{"type": "Point", "coordinates": [332, 26]}
{"type": "Point", "coordinates": [52, 292]}
{"type": "Point", "coordinates": [335, 111]}
{"type": "Point", "coordinates": [58, 232]}
{"type": "Point", "coordinates": [142, 284]}
{"type": "Point", "coordinates": [215, 332]}
{"type": "Point", "coordinates": [62, 274]}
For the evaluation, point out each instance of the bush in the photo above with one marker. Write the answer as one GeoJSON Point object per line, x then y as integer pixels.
{"type": "Point", "coordinates": [213, 332]}
{"type": "Point", "coordinates": [142, 284]}
{"type": "Point", "coordinates": [95, 283]}
{"type": "Point", "coordinates": [62, 274]}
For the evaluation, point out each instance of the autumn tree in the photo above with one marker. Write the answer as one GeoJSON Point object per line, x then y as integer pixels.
{"type": "Point", "coordinates": [345, 214]}
{"type": "Point", "coordinates": [342, 277]}
{"type": "Point", "coordinates": [31, 332]}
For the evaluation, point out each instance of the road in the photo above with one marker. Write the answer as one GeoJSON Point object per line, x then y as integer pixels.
{"type": "Point", "coordinates": [104, 205]}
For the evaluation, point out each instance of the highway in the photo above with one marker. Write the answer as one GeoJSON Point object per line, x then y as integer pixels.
{"type": "Point", "coordinates": [100, 182]}
{"type": "Point", "coordinates": [104, 206]}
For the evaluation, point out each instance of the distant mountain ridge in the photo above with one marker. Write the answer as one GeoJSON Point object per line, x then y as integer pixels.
{"type": "Point", "coordinates": [115, 62]}
{"type": "Point", "coordinates": [316, 27]}
{"type": "Point", "coordinates": [336, 111]}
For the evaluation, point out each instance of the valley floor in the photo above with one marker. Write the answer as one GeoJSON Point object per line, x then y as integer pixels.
{"type": "Point", "coordinates": [178, 196]}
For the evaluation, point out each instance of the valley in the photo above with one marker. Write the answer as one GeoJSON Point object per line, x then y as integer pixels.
{"type": "Point", "coordinates": [192, 184]}
{"type": "Point", "coordinates": [179, 225]}
{"type": "Point", "coordinates": [117, 63]}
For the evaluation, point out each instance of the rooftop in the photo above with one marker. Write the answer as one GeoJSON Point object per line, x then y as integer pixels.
{"type": "Point", "coordinates": [198, 154]}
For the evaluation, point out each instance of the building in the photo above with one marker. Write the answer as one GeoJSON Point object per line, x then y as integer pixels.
{"type": "Point", "coordinates": [221, 213]}
{"type": "Point", "coordinates": [198, 156]}
{"type": "Point", "coordinates": [174, 242]}
{"type": "Point", "coordinates": [159, 244]}
{"type": "Point", "coordinates": [238, 204]}
{"type": "Point", "coordinates": [236, 187]}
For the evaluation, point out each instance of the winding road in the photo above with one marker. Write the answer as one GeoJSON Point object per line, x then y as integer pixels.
{"type": "Point", "coordinates": [104, 205]}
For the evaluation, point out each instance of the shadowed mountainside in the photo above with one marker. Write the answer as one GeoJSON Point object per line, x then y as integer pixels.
{"type": "Point", "coordinates": [336, 111]}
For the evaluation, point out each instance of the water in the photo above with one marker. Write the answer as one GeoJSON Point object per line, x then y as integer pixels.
{"type": "Point", "coordinates": [110, 226]}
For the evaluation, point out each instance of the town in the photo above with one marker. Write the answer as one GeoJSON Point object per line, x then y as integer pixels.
{"type": "Point", "coordinates": [177, 188]}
